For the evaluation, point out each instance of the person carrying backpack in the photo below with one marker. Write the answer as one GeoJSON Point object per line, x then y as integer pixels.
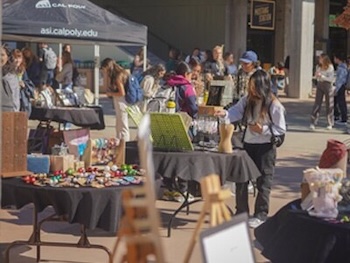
{"type": "Point", "coordinates": [263, 115]}
{"type": "Point", "coordinates": [48, 59]}
{"type": "Point", "coordinates": [118, 77]}
{"type": "Point", "coordinates": [150, 84]}
{"type": "Point", "coordinates": [185, 99]}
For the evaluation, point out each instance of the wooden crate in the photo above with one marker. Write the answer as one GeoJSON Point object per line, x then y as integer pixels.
{"type": "Point", "coordinates": [14, 144]}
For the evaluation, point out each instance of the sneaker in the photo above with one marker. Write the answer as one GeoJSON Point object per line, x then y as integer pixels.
{"type": "Point", "coordinates": [341, 122]}
{"type": "Point", "coordinates": [178, 197]}
{"type": "Point", "coordinates": [255, 222]}
{"type": "Point", "coordinates": [312, 127]}
{"type": "Point", "coordinates": [168, 195]}
{"type": "Point", "coordinates": [329, 127]}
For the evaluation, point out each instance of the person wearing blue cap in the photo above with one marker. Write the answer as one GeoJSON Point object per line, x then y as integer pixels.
{"type": "Point", "coordinates": [249, 64]}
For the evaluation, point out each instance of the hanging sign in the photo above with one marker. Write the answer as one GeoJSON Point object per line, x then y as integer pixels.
{"type": "Point", "coordinates": [262, 15]}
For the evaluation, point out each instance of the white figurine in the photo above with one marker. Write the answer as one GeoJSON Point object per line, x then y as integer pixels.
{"type": "Point", "coordinates": [324, 186]}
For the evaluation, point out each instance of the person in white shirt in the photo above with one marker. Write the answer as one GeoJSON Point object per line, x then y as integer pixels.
{"type": "Point", "coordinates": [263, 117]}
{"type": "Point", "coordinates": [325, 77]}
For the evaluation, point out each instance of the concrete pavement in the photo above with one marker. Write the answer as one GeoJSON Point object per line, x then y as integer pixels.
{"type": "Point", "coordinates": [301, 149]}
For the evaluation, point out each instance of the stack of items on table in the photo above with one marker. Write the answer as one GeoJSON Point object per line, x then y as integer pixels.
{"type": "Point", "coordinates": [49, 97]}
{"type": "Point", "coordinates": [90, 177]}
{"type": "Point", "coordinates": [206, 127]}
{"type": "Point", "coordinates": [84, 162]}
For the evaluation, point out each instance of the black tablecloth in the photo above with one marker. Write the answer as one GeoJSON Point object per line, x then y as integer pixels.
{"type": "Point", "coordinates": [89, 117]}
{"type": "Point", "coordinates": [292, 236]}
{"type": "Point", "coordinates": [235, 167]}
{"type": "Point", "coordinates": [92, 207]}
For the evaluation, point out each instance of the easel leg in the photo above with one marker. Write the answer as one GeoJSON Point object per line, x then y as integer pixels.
{"type": "Point", "coordinates": [195, 235]}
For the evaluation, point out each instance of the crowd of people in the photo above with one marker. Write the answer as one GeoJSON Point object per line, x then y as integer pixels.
{"type": "Point", "coordinates": [256, 106]}
{"type": "Point", "coordinates": [26, 73]}
{"type": "Point", "coordinates": [331, 85]}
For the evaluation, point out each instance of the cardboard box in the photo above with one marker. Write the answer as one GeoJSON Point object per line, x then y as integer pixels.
{"type": "Point", "coordinates": [305, 190]}
{"type": "Point", "coordinates": [63, 162]}
{"type": "Point", "coordinates": [208, 110]}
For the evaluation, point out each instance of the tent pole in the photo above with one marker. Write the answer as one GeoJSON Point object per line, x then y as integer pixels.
{"type": "Point", "coordinates": [60, 64]}
{"type": "Point", "coordinates": [97, 73]}
{"type": "Point", "coordinates": [144, 58]}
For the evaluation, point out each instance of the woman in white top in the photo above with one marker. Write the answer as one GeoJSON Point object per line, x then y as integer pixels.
{"type": "Point", "coordinates": [117, 79]}
{"type": "Point", "coordinates": [263, 116]}
{"type": "Point", "coordinates": [325, 77]}
{"type": "Point", "coordinates": [151, 83]}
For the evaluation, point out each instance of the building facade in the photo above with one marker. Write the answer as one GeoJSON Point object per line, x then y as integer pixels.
{"type": "Point", "coordinates": [273, 28]}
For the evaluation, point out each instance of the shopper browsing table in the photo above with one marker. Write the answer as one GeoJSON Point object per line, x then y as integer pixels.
{"type": "Point", "coordinates": [253, 110]}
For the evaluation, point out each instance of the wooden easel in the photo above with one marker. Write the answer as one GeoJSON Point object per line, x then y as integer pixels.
{"type": "Point", "coordinates": [214, 205]}
{"type": "Point", "coordinates": [138, 228]}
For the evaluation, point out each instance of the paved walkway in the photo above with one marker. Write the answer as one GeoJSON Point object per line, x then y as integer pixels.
{"type": "Point", "coordinates": [302, 149]}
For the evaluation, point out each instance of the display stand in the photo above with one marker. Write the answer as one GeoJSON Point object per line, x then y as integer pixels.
{"type": "Point", "coordinates": [140, 223]}
{"type": "Point", "coordinates": [135, 114]}
{"type": "Point", "coordinates": [137, 230]}
{"type": "Point", "coordinates": [214, 205]}
{"type": "Point", "coordinates": [14, 144]}
{"type": "Point", "coordinates": [112, 152]}
{"type": "Point", "coordinates": [169, 132]}
{"type": "Point", "coordinates": [221, 92]}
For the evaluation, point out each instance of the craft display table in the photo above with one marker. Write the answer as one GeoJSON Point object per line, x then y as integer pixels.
{"type": "Point", "coordinates": [291, 235]}
{"type": "Point", "coordinates": [86, 117]}
{"type": "Point", "coordinates": [194, 165]}
{"type": "Point", "coordinates": [90, 207]}
{"type": "Point", "coordinates": [235, 167]}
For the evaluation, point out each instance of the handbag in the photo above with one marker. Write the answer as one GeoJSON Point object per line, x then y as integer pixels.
{"type": "Point", "coordinates": [38, 139]}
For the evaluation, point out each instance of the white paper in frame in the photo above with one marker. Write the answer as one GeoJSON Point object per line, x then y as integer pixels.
{"type": "Point", "coordinates": [228, 242]}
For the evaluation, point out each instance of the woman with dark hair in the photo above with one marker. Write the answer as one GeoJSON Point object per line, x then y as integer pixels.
{"type": "Point", "coordinates": [136, 66]}
{"type": "Point", "coordinates": [11, 88]}
{"type": "Point", "coordinates": [185, 97]}
{"type": "Point", "coordinates": [65, 75]}
{"type": "Point", "coordinates": [151, 83]}
{"type": "Point", "coordinates": [207, 60]}
{"type": "Point", "coordinates": [67, 47]}
{"type": "Point", "coordinates": [174, 58]}
{"type": "Point", "coordinates": [33, 67]}
{"type": "Point", "coordinates": [117, 79]}
{"type": "Point", "coordinates": [197, 79]}
{"type": "Point", "coordinates": [262, 115]}
{"type": "Point", "coordinates": [26, 85]}
{"type": "Point", "coordinates": [230, 66]}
